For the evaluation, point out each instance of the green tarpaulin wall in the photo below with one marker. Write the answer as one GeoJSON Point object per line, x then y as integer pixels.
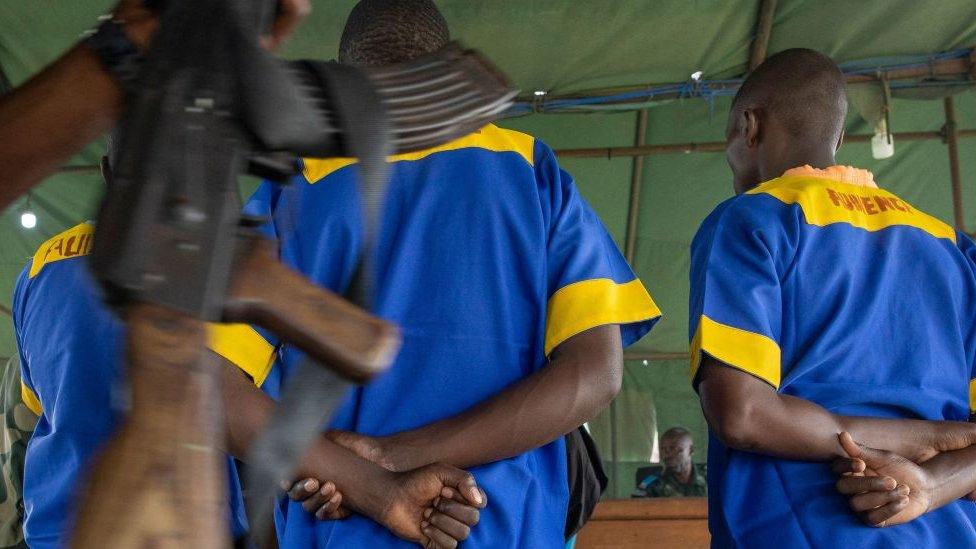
{"type": "Point", "coordinates": [566, 46]}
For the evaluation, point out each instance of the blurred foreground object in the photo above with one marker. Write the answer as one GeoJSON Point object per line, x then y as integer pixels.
{"type": "Point", "coordinates": [172, 253]}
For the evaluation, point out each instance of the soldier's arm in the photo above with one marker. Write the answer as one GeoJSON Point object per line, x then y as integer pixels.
{"type": "Point", "coordinates": [74, 100]}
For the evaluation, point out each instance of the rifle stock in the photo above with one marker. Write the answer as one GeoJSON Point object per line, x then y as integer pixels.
{"type": "Point", "coordinates": [356, 344]}
{"type": "Point", "coordinates": [165, 457]}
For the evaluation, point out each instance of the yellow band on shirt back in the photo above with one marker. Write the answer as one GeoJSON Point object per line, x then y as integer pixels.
{"type": "Point", "coordinates": [490, 138]}
{"type": "Point", "coordinates": [826, 202]}
{"type": "Point", "coordinates": [75, 242]}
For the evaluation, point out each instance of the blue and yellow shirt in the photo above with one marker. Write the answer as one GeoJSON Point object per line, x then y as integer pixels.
{"type": "Point", "coordinates": [71, 353]}
{"type": "Point", "coordinates": [832, 290]}
{"type": "Point", "coordinates": [488, 259]}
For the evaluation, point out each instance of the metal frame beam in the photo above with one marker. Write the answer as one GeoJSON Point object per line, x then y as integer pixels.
{"type": "Point", "coordinates": [764, 31]}
{"type": "Point", "coordinates": [719, 146]}
{"type": "Point", "coordinates": [636, 184]}
{"type": "Point", "coordinates": [961, 67]}
{"type": "Point", "coordinates": [630, 241]}
{"type": "Point", "coordinates": [951, 137]}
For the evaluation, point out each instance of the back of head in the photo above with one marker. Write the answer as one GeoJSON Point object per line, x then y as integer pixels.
{"type": "Point", "coordinates": [800, 89]}
{"type": "Point", "coordinates": [384, 32]}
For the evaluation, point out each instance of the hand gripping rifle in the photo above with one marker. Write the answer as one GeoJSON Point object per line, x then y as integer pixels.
{"type": "Point", "coordinates": [173, 253]}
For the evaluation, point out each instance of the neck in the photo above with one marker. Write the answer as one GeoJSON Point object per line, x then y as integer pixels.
{"type": "Point", "coordinates": [816, 156]}
{"type": "Point", "coordinates": [683, 472]}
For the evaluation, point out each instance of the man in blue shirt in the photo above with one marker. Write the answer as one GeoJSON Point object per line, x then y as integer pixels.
{"type": "Point", "coordinates": [513, 301]}
{"type": "Point", "coordinates": [71, 350]}
{"type": "Point", "coordinates": [821, 303]}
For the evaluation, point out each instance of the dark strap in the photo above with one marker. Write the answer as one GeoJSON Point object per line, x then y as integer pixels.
{"type": "Point", "coordinates": [366, 136]}
{"type": "Point", "coordinates": [314, 391]}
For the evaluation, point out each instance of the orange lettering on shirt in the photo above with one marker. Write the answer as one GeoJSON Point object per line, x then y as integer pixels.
{"type": "Point", "coordinates": [868, 205]}
{"type": "Point", "coordinates": [833, 197]}
{"type": "Point", "coordinates": [68, 252]}
{"type": "Point", "coordinates": [86, 247]}
{"type": "Point", "coordinates": [54, 247]}
{"type": "Point", "coordinates": [897, 204]}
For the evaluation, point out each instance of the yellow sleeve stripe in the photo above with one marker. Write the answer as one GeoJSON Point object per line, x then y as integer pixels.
{"type": "Point", "coordinates": [74, 242]}
{"type": "Point", "coordinates": [827, 202]}
{"type": "Point", "coordinates": [586, 304]}
{"type": "Point", "coordinates": [972, 396]}
{"type": "Point", "coordinates": [750, 352]}
{"type": "Point", "coordinates": [30, 399]}
{"type": "Point", "coordinates": [491, 138]}
{"type": "Point", "coordinates": [243, 346]}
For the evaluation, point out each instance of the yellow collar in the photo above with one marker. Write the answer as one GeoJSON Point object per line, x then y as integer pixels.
{"type": "Point", "coordinates": [845, 174]}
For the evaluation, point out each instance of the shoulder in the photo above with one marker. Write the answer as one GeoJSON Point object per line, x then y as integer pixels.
{"type": "Point", "coordinates": [738, 211]}
{"type": "Point", "coordinates": [966, 244]}
{"type": "Point", "coordinates": [755, 214]}
{"type": "Point", "coordinates": [72, 243]}
{"type": "Point", "coordinates": [967, 247]}
{"type": "Point", "coordinates": [500, 139]}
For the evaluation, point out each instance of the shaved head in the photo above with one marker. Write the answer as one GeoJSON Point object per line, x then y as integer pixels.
{"type": "Point", "coordinates": [802, 88]}
{"type": "Point", "coordinates": [677, 447]}
{"type": "Point", "coordinates": [385, 32]}
{"type": "Point", "coordinates": [676, 432]}
{"type": "Point", "coordinates": [789, 111]}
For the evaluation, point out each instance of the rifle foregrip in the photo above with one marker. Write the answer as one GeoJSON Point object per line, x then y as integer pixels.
{"type": "Point", "coordinates": [266, 293]}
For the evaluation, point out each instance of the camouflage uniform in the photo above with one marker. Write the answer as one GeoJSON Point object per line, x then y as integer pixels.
{"type": "Point", "coordinates": [668, 485]}
{"type": "Point", "coordinates": [18, 425]}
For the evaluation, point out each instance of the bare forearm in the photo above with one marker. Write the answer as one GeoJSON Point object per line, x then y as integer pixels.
{"type": "Point", "coordinates": [749, 415]}
{"type": "Point", "coordinates": [953, 476]}
{"type": "Point", "coordinates": [364, 485]}
{"type": "Point", "coordinates": [580, 382]}
{"type": "Point", "coordinates": [528, 415]}
{"type": "Point", "coordinates": [793, 428]}
{"type": "Point", "coordinates": [247, 409]}
{"type": "Point", "coordinates": [51, 117]}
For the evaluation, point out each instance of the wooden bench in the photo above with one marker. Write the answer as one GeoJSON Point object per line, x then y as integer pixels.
{"type": "Point", "coordinates": [647, 523]}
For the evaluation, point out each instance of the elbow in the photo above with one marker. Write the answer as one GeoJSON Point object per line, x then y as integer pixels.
{"type": "Point", "coordinates": [736, 427]}
{"type": "Point", "coordinates": [596, 389]}
{"type": "Point", "coordinates": [609, 386]}
{"type": "Point", "coordinates": [614, 383]}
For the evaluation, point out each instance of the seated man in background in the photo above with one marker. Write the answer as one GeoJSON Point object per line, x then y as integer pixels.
{"type": "Point", "coordinates": [822, 304]}
{"type": "Point", "coordinates": [513, 301]}
{"type": "Point", "coordinates": [680, 478]}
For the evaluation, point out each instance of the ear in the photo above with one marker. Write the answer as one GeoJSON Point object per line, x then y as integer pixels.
{"type": "Point", "coordinates": [751, 126]}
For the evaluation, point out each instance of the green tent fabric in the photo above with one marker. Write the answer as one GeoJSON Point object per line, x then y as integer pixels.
{"type": "Point", "coordinates": [567, 46]}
